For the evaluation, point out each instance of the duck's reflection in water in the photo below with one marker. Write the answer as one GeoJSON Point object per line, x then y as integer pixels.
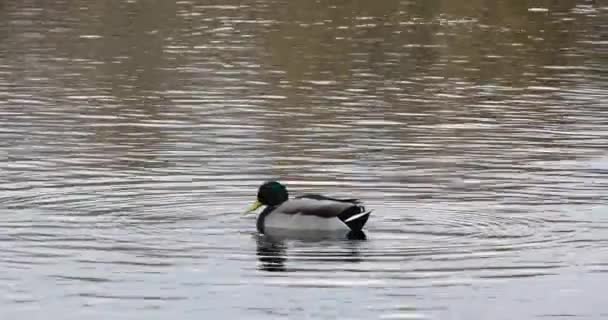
{"type": "Point", "coordinates": [356, 235]}
{"type": "Point", "coordinates": [271, 253]}
{"type": "Point", "coordinates": [272, 249]}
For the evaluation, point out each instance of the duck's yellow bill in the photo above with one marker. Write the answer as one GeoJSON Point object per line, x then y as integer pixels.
{"type": "Point", "coordinates": [254, 206]}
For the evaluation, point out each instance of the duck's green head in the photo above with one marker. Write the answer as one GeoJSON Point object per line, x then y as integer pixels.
{"type": "Point", "coordinates": [271, 193]}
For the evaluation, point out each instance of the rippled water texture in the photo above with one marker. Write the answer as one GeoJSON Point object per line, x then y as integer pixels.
{"type": "Point", "coordinates": [133, 134]}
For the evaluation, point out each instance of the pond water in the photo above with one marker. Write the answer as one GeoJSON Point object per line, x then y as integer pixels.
{"type": "Point", "coordinates": [133, 134]}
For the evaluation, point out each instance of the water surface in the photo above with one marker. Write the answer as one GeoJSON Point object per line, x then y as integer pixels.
{"type": "Point", "coordinates": [133, 134]}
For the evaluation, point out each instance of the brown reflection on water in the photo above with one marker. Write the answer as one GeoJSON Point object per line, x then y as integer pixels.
{"type": "Point", "coordinates": [503, 41]}
{"type": "Point", "coordinates": [101, 62]}
{"type": "Point", "coordinates": [419, 68]}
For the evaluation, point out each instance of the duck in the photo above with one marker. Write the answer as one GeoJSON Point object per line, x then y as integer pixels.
{"type": "Point", "coordinates": [309, 212]}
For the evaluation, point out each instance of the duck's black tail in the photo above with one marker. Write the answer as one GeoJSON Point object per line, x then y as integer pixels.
{"type": "Point", "coordinates": [355, 217]}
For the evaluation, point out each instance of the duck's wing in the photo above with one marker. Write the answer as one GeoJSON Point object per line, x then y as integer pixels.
{"type": "Point", "coordinates": [322, 197]}
{"type": "Point", "coordinates": [317, 205]}
{"type": "Point", "coordinates": [349, 211]}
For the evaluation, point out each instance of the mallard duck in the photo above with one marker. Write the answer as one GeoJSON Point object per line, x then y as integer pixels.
{"type": "Point", "coordinates": [310, 212]}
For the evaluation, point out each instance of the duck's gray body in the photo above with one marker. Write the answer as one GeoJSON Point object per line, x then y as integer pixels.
{"type": "Point", "coordinates": [315, 213]}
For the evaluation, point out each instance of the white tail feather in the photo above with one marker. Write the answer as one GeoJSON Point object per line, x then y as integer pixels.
{"type": "Point", "coordinates": [357, 216]}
